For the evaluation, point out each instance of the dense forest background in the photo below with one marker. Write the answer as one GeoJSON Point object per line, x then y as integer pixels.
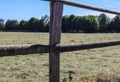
{"type": "Point", "coordinates": [72, 23]}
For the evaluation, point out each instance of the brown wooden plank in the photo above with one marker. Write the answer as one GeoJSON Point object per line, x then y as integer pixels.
{"type": "Point", "coordinates": [83, 46]}
{"type": "Point", "coordinates": [13, 50]}
{"type": "Point", "coordinates": [88, 7]}
{"type": "Point", "coordinates": [67, 2]}
{"type": "Point", "coordinates": [56, 9]}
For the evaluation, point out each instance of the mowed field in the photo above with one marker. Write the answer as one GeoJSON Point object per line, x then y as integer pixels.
{"type": "Point", "coordinates": [102, 63]}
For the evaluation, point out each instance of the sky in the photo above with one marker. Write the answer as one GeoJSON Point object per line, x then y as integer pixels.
{"type": "Point", "coordinates": [25, 9]}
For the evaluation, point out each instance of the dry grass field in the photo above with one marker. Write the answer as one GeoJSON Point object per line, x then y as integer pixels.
{"type": "Point", "coordinates": [86, 66]}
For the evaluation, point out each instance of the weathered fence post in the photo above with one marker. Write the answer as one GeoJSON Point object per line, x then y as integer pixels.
{"type": "Point", "coordinates": [56, 10]}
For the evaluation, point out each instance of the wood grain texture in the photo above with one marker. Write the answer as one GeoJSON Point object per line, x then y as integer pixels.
{"type": "Point", "coordinates": [83, 46]}
{"type": "Point", "coordinates": [56, 10]}
{"type": "Point", "coordinates": [13, 50]}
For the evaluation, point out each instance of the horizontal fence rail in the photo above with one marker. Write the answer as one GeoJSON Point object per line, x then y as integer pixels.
{"type": "Point", "coordinates": [11, 50]}
{"type": "Point", "coordinates": [38, 48]}
{"type": "Point", "coordinates": [83, 46]}
{"type": "Point", "coordinates": [87, 7]}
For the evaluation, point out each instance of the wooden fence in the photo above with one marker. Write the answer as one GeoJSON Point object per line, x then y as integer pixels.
{"type": "Point", "coordinates": [54, 48]}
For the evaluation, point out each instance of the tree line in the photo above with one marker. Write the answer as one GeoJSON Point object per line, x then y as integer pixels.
{"type": "Point", "coordinates": [31, 25]}
{"type": "Point", "coordinates": [72, 23]}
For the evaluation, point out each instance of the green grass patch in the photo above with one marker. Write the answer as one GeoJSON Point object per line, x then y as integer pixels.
{"type": "Point", "coordinates": [86, 65]}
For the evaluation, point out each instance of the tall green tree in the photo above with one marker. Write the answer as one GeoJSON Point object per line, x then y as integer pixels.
{"type": "Point", "coordinates": [103, 22]}
{"type": "Point", "coordinates": [78, 23]}
{"type": "Point", "coordinates": [1, 24]}
{"type": "Point", "coordinates": [65, 24]}
{"type": "Point", "coordinates": [33, 24]}
{"type": "Point", "coordinates": [45, 19]}
{"type": "Point", "coordinates": [11, 25]}
{"type": "Point", "coordinates": [90, 24]}
{"type": "Point", "coordinates": [115, 24]}
{"type": "Point", "coordinates": [44, 24]}
{"type": "Point", "coordinates": [71, 24]}
{"type": "Point", "coordinates": [23, 25]}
